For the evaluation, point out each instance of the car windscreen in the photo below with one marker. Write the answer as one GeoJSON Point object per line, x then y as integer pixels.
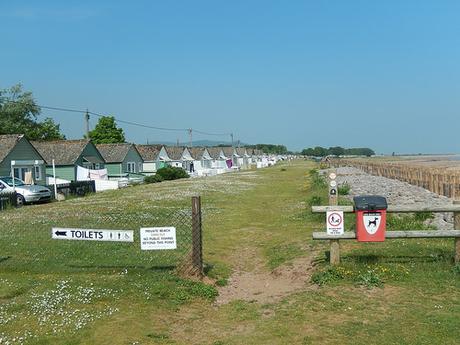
{"type": "Point", "coordinates": [9, 181]}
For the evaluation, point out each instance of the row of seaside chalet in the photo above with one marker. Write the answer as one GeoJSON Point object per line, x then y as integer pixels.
{"type": "Point", "coordinates": [63, 161]}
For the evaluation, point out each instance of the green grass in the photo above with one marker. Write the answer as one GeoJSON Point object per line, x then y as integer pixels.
{"type": "Point", "coordinates": [64, 292]}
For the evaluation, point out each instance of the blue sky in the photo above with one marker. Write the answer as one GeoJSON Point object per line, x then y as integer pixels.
{"type": "Point", "coordinates": [384, 74]}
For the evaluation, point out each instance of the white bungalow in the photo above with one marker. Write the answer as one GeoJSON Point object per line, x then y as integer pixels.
{"type": "Point", "coordinates": [172, 155]}
{"type": "Point", "coordinates": [220, 162]}
{"type": "Point", "coordinates": [231, 154]}
{"type": "Point", "coordinates": [243, 158]}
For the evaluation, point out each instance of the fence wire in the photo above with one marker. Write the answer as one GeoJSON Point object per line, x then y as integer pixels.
{"type": "Point", "coordinates": [26, 244]}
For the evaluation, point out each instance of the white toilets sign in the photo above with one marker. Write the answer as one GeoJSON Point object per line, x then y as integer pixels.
{"type": "Point", "coordinates": [158, 238]}
{"type": "Point", "coordinates": [92, 235]}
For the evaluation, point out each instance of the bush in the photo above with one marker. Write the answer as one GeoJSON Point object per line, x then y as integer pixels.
{"type": "Point", "coordinates": [317, 181]}
{"type": "Point", "coordinates": [172, 173]}
{"type": "Point", "coordinates": [344, 189]}
{"type": "Point", "coordinates": [369, 279]}
{"type": "Point", "coordinates": [329, 275]}
{"type": "Point", "coordinates": [153, 179]}
{"type": "Point", "coordinates": [314, 200]}
{"type": "Point", "coordinates": [408, 222]}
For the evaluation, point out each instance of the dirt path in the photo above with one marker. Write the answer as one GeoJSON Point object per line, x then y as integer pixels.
{"type": "Point", "coordinates": [264, 286]}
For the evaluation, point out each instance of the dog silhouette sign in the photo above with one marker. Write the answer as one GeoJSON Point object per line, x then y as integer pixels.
{"type": "Point", "coordinates": [372, 222]}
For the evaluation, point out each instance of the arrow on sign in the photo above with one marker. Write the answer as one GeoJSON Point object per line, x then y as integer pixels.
{"type": "Point", "coordinates": [61, 233]}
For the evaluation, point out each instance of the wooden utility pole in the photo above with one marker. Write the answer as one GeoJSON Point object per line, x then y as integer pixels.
{"type": "Point", "coordinates": [87, 123]}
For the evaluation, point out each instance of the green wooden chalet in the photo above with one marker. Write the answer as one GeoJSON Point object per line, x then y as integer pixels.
{"type": "Point", "coordinates": [67, 155]}
{"type": "Point", "coordinates": [19, 156]}
{"type": "Point", "coordinates": [151, 157]}
{"type": "Point", "coordinates": [121, 160]}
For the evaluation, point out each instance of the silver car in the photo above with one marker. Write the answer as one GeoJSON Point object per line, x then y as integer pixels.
{"type": "Point", "coordinates": [25, 193]}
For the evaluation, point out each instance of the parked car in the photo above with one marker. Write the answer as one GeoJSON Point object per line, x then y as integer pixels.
{"type": "Point", "coordinates": [25, 193]}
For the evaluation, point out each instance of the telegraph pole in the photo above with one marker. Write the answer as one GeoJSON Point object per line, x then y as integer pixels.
{"type": "Point", "coordinates": [190, 134]}
{"type": "Point", "coordinates": [87, 123]}
{"type": "Point", "coordinates": [231, 136]}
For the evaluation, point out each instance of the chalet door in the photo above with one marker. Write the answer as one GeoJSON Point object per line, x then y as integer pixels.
{"type": "Point", "coordinates": [20, 172]}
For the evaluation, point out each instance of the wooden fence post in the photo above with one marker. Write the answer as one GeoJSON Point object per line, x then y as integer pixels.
{"type": "Point", "coordinates": [197, 240]}
{"type": "Point", "coordinates": [457, 239]}
{"type": "Point", "coordinates": [334, 253]}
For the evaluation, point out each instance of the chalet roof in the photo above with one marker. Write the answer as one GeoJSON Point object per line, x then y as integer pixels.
{"type": "Point", "coordinates": [214, 152]}
{"type": "Point", "coordinates": [64, 152]}
{"type": "Point", "coordinates": [196, 152]}
{"type": "Point", "coordinates": [174, 152]}
{"type": "Point", "coordinates": [241, 151]}
{"type": "Point", "coordinates": [114, 153]}
{"type": "Point", "coordinates": [229, 151]}
{"type": "Point", "coordinates": [7, 143]}
{"type": "Point", "coordinates": [149, 153]}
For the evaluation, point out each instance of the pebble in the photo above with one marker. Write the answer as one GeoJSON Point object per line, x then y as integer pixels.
{"type": "Point", "coordinates": [396, 192]}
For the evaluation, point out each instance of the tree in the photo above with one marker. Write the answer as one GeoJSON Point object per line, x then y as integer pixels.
{"type": "Point", "coordinates": [336, 151]}
{"type": "Point", "coordinates": [270, 148]}
{"type": "Point", "coordinates": [319, 151]}
{"type": "Point", "coordinates": [107, 132]}
{"type": "Point", "coordinates": [19, 113]}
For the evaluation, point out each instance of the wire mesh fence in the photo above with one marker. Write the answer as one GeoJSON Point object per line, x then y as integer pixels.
{"type": "Point", "coordinates": [26, 244]}
{"type": "Point", "coordinates": [7, 200]}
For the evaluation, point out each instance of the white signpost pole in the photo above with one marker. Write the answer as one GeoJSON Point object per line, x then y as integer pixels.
{"type": "Point", "coordinates": [55, 186]}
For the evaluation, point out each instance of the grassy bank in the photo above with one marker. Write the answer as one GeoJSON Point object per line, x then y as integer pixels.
{"type": "Point", "coordinates": [399, 292]}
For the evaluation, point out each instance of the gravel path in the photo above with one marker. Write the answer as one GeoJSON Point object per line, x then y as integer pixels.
{"type": "Point", "coordinates": [396, 192]}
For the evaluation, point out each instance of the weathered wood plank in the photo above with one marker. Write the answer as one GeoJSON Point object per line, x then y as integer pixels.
{"type": "Point", "coordinates": [334, 252]}
{"type": "Point", "coordinates": [394, 234]}
{"type": "Point", "coordinates": [391, 209]}
{"type": "Point", "coordinates": [324, 209]}
{"type": "Point", "coordinates": [457, 240]}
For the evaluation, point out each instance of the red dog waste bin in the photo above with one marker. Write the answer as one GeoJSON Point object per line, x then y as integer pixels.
{"type": "Point", "coordinates": [370, 218]}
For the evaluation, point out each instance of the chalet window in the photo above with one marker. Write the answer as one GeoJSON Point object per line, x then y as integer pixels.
{"type": "Point", "coordinates": [131, 167]}
{"type": "Point", "coordinates": [139, 167]}
{"type": "Point", "coordinates": [38, 172]}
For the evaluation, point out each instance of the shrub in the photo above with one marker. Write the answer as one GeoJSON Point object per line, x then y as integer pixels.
{"type": "Point", "coordinates": [344, 189]}
{"type": "Point", "coordinates": [317, 181]}
{"type": "Point", "coordinates": [172, 173]}
{"type": "Point", "coordinates": [329, 275]}
{"type": "Point", "coordinates": [422, 216]}
{"type": "Point", "coordinates": [369, 279]}
{"type": "Point", "coordinates": [408, 222]}
{"type": "Point", "coordinates": [153, 179]}
{"type": "Point", "coordinates": [314, 200]}
{"type": "Point", "coordinates": [456, 269]}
